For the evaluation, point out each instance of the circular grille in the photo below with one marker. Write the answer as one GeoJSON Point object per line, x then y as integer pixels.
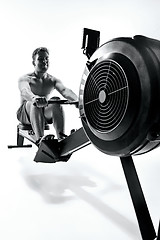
{"type": "Point", "coordinates": [106, 96]}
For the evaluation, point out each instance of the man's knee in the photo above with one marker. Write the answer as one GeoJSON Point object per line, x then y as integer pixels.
{"type": "Point", "coordinates": [33, 110]}
{"type": "Point", "coordinates": [56, 107]}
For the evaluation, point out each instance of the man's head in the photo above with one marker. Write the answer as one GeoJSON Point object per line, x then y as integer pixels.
{"type": "Point", "coordinates": [40, 59]}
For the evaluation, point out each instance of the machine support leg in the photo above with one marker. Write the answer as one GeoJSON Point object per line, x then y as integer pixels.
{"type": "Point", "coordinates": [158, 238]}
{"type": "Point", "coordinates": [144, 220]}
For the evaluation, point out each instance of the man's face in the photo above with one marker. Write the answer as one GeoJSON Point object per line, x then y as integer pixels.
{"type": "Point", "coordinates": [41, 62]}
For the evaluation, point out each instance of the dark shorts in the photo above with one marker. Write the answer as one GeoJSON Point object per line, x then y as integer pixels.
{"type": "Point", "coordinates": [22, 115]}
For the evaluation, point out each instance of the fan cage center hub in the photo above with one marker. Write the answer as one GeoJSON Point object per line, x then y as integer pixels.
{"type": "Point", "coordinates": [102, 96]}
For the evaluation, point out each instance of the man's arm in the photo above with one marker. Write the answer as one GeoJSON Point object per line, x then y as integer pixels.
{"type": "Point", "coordinates": [64, 91]}
{"type": "Point", "coordinates": [25, 89]}
{"type": "Point", "coordinates": [27, 93]}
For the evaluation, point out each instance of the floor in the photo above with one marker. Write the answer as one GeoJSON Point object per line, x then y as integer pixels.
{"type": "Point", "coordinates": [86, 198]}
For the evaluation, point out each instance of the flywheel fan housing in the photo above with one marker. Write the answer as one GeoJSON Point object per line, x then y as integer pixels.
{"type": "Point", "coordinates": [119, 95]}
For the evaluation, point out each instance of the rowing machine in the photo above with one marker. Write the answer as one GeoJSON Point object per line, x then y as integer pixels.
{"type": "Point", "coordinates": [118, 99]}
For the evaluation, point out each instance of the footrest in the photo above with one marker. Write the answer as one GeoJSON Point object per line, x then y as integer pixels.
{"type": "Point", "coordinates": [49, 151]}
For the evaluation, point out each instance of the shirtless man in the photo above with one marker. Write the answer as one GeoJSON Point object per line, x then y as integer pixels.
{"type": "Point", "coordinates": [35, 89]}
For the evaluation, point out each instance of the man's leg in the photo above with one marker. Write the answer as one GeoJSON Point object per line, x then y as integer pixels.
{"type": "Point", "coordinates": [54, 113]}
{"type": "Point", "coordinates": [37, 119]}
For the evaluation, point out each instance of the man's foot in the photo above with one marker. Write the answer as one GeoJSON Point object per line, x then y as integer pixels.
{"type": "Point", "coordinates": [47, 137]}
{"type": "Point", "coordinates": [63, 136]}
{"type": "Point", "coordinates": [38, 142]}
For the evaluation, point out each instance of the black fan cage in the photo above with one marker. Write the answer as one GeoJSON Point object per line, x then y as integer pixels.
{"type": "Point", "coordinates": [106, 96]}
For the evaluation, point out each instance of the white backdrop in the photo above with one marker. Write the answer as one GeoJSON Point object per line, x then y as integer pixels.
{"type": "Point", "coordinates": [87, 198]}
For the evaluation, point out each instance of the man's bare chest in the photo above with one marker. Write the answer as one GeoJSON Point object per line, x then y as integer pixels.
{"type": "Point", "coordinates": [41, 87]}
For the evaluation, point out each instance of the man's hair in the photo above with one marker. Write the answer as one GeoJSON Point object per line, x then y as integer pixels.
{"type": "Point", "coordinates": [37, 50]}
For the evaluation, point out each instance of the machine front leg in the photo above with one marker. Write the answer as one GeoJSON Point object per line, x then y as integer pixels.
{"type": "Point", "coordinates": [144, 220]}
{"type": "Point", "coordinates": [158, 237]}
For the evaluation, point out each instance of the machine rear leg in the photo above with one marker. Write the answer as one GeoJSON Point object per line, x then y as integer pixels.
{"type": "Point", "coordinates": [20, 139]}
